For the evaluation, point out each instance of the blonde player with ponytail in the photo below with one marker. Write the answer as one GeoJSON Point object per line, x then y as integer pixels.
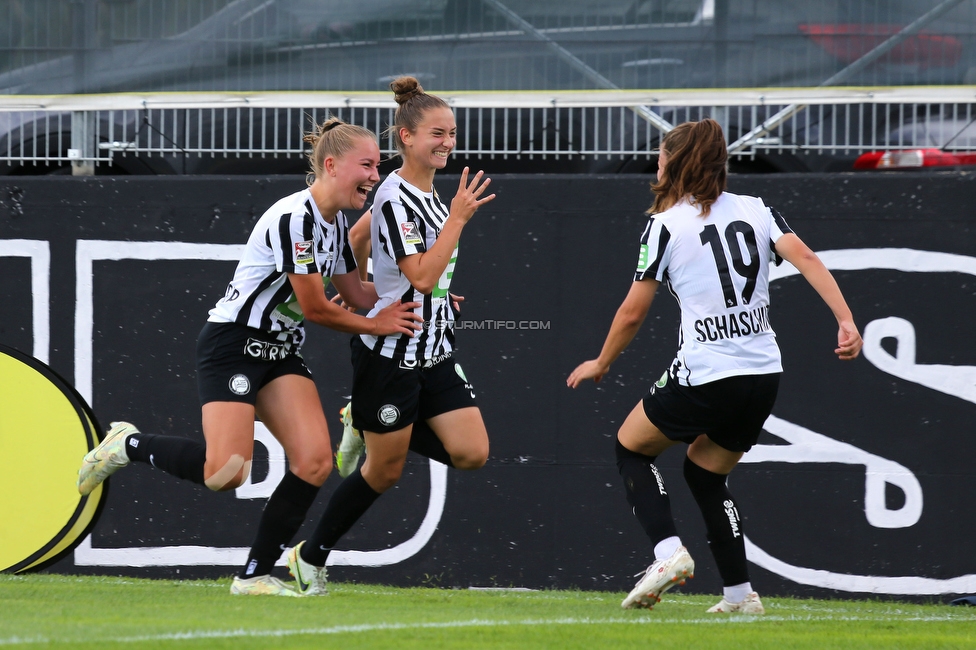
{"type": "Point", "coordinates": [249, 359]}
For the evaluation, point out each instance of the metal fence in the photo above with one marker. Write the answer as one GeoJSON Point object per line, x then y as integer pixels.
{"type": "Point", "coordinates": [99, 130]}
{"type": "Point", "coordinates": [98, 46]}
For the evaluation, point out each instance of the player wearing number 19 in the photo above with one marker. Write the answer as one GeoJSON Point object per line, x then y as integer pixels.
{"type": "Point", "coordinates": [714, 250]}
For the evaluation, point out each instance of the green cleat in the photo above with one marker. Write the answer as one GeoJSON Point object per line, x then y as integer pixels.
{"type": "Point", "coordinates": [352, 445]}
{"type": "Point", "coordinates": [310, 580]}
{"type": "Point", "coordinates": [108, 457]}
{"type": "Point", "coordinates": [261, 586]}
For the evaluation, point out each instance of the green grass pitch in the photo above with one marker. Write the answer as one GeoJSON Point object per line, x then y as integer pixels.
{"type": "Point", "coordinates": [98, 612]}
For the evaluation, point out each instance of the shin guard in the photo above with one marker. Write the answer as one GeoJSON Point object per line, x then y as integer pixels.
{"type": "Point", "coordinates": [646, 494]}
{"type": "Point", "coordinates": [722, 522]}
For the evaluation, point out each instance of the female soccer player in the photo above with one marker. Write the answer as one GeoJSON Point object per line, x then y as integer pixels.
{"type": "Point", "coordinates": [249, 352]}
{"type": "Point", "coordinates": [407, 393]}
{"type": "Point", "coordinates": [713, 249]}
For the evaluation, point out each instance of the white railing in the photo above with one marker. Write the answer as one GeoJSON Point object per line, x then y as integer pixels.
{"type": "Point", "coordinates": [95, 129]}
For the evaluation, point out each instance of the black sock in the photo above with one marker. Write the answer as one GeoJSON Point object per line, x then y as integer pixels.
{"type": "Point", "coordinates": [425, 442]}
{"type": "Point", "coordinates": [722, 522]}
{"type": "Point", "coordinates": [646, 493]}
{"type": "Point", "coordinates": [282, 517]}
{"type": "Point", "coordinates": [349, 502]}
{"type": "Point", "coordinates": [181, 457]}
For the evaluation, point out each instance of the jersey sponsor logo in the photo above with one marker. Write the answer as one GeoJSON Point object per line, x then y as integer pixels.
{"type": "Point", "coordinates": [413, 364]}
{"type": "Point", "coordinates": [411, 234]}
{"type": "Point", "coordinates": [444, 282]}
{"type": "Point", "coordinates": [239, 385]}
{"type": "Point", "coordinates": [388, 414]}
{"type": "Point", "coordinates": [303, 253]}
{"type": "Point", "coordinates": [730, 326]}
{"type": "Point", "coordinates": [265, 350]}
{"type": "Point", "coordinates": [289, 313]}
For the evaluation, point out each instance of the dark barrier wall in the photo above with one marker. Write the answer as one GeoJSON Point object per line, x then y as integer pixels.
{"type": "Point", "coordinates": [863, 481]}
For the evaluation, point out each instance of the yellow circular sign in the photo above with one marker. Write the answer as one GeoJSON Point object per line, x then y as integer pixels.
{"type": "Point", "coordinates": [46, 428]}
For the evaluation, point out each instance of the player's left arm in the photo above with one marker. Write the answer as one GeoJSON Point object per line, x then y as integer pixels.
{"type": "Point", "coordinates": [793, 250]}
{"type": "Point", "coordinates": [354, 292]}
{"type": "Point", "coordinates": [630, 315]}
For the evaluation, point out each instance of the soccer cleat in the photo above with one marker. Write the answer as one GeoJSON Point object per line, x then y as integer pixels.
{"type": "Point", "coordinates": [106, 458]}
{"type": "Point", "coordinates": [658, 578]}
{"type": "Point", "coordinates": [750, 605]}
{"type": "Point", "coordinates": [261, 586]}
{"type": "Point", "coordinates": [351, 446]}
{"type": "Point", "coordinates": [310, 580]}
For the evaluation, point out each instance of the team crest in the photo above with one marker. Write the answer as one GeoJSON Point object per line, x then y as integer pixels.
{"type": "Point", "coordinates": [388, 414]}
{"type": "Point", "coordinates": [303, 252]}
{"type": "Point", "coordinates": [239, 385]}
{"type": "Point", "coordinates": [411, 234]}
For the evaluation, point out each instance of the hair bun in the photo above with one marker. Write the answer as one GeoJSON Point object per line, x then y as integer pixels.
{"type": "Point", "coordinates": [321, 129]}
{"type": "Point", "coordinates": [405, 88]}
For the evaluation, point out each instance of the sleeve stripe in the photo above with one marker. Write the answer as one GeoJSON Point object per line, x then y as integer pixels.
{"type": "Point", "coordinates": [663, 238]}
{"type": "Point", "coordinates": [390, 222]}
{"type": "Point", "coordinates": [308, 234]}
{"type": "Point", "coordinates": [780, 221]}
{"type": "Point", "coordinates": [285, 244]}
{"type": "Point", "coordinates": [655, 239]}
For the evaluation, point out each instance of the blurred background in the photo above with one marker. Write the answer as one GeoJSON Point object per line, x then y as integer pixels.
{"type": "Point", "coordinates": [514, 70]}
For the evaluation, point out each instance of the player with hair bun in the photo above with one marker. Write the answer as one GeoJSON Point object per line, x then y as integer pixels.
{"type": "Point", "coordinates": [249, 359]}
{"type": "Point", "coordinates": [714, 250]}
{"type": "Point", "coordinates": [409, 393]}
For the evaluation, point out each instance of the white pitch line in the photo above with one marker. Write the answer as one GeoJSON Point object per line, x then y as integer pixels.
{"type": "Point", "coordinates": [380, 627]}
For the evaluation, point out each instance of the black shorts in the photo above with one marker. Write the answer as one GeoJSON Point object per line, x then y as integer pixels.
{"type": "Point", "coordinates": [389, 394]}
{"type": "Point", "coordinates": [730, 411]}
{"type": "Point", "coordinates": [234, 362]}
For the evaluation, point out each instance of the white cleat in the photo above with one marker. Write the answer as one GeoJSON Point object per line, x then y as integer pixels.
{"type": "Point", "coordinates": [351, 446]}
{"type": "Point", "coordinates": [261, 586]}
{"type": "Point", "coordinates": [310, 580]}
{"type": "Point", "coordinates": [658, 578]}
{"type": "Point", "coordinates": [750, 605]}
{"type": "Point", "coordinates": [108, 457]}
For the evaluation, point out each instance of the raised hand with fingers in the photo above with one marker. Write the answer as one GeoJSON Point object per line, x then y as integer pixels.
{"type": "Point", "coordinates": [469, 196]}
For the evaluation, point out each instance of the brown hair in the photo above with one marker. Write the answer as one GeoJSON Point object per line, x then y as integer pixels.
{"type": "Point", "coordinates": [697, 166]}
{"type": "Point", "coordinates": [412, 103]}
{"type": "Point", "coordinates": [332, 137]}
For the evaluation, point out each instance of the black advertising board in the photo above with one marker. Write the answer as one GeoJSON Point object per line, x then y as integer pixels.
{"type": "Point", "coordinates": [861, 483]}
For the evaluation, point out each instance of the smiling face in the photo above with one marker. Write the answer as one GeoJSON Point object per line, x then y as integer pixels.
{"type": "Point", "coordinates": [354, 174]}
{"type": "Point", "coordinates": [433, 141]}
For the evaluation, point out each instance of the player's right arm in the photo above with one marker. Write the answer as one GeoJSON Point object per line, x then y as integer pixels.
{"type": "Point", "coordinates": [793, 250]}
{"type": "Point", "coordinates": [630, 315]}
{"type": "Point", "coordinates": [396, 318]}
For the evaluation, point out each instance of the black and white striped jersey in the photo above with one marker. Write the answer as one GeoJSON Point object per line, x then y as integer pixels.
{"type": "Point", "coordinates": [718, 269]}
{"type": "Point", "coordinates": [291, 237]}
{"type": "Point", "coordinates": [406, 221]}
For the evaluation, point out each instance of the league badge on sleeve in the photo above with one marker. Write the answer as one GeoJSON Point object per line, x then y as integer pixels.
{"type": "Point", "coordinates": [303, 252]}
{"type": "Point", "coordinates": [411, 234]}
